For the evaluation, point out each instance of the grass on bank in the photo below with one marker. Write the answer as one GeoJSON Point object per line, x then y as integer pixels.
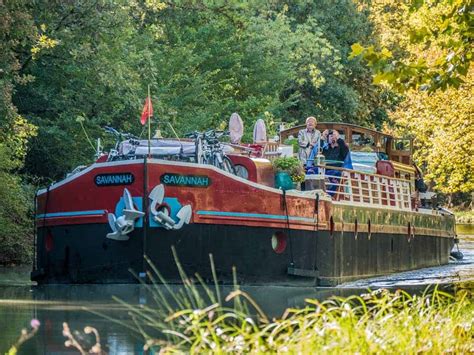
{"type": "Point", "coordinates": [376, 322]}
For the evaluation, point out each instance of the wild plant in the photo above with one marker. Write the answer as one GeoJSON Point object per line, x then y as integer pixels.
{"type": "Point", "coordinates": [198, 319]}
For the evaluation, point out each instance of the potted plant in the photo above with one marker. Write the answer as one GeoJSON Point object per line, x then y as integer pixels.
{"type": "Point", "coordinates": [288, 172]}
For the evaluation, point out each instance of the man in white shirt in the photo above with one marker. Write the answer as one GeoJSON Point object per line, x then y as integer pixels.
{"type": "Point", "coordinates": [308, 138]}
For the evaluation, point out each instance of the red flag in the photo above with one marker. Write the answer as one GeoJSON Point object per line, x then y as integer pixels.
{"type": "Point", "coordinates": [147, 111]}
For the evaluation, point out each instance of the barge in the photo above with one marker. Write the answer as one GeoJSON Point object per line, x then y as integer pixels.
{"type": "Point", "coordinates": [104, 220]}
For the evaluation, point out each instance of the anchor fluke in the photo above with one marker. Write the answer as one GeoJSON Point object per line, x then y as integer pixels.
{"type": "Point", "coordinates": [156, 196]}
{"type": "Point", "coordinates": [184, 216]}
{"type": "Point", "coordinates": [161, 214]}
{"type": "Point", "coordinates": [124, 224]}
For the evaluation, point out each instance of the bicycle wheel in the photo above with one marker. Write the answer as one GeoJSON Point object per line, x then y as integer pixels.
{"type": "Point", "coordinates": [228, 165]}
{"type": "Point", "coordinates": [220, 162]}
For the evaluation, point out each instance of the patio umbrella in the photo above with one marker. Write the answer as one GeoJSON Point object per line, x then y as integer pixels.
{"type": "Point", "coordinates": [259, 131]}
{"type": "Point", "coordinates": [236, 128]}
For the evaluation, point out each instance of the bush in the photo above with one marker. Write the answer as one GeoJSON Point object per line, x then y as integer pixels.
{"type": "Point", "coordinates": [16, 204]}
{"type": "Point", "coordinates": [290, 165]}
{"type": "Point", "coordinates": [198, 319]}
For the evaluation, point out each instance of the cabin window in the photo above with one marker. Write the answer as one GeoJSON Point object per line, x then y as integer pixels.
{"type": "Point", "coordinates": [401, 145]}
{"type": "Point", "coordinates": [360, 139]}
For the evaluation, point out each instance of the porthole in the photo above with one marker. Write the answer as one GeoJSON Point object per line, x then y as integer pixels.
{"type": "Point", "coordinates": [279, 241]}
{"type": "Point", "coordinates": [241, 171]}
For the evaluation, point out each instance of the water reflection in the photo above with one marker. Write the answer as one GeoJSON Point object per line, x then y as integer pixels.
{"type": "Point", "coordinates": [55, 304]}
{"type": "Point", "coordinates": [465, 229]}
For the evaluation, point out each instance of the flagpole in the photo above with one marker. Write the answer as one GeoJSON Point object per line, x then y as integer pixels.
{"type": "Point", "coordinates": [149, 124]}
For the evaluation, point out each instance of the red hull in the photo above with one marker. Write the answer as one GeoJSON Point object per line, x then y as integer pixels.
{"type": "Point", "coordinates": [287, 225]}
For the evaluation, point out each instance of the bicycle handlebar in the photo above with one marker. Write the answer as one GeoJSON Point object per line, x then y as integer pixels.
{"type": "Point", "coordinates": [210, 134]}
{"type": "Point", "coordinates": [118, 134]}
{"type": "Point", "coordinates": [111, 130]}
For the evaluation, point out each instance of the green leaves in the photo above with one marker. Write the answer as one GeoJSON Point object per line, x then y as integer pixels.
{"type": "Point", "coordinates": [441, 123]}
{"type": "Point", "coordinates": [436, 30]}
{"type": "Point", "coordinates": [357, 50]}
{"type": "Point", "coordinates": [202, 60]}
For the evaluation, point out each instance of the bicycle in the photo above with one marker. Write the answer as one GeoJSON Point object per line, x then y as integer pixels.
{"type": "Point", "coordinates": [118, 152]}
{"type": "Point", "coordinates": [208, 150]}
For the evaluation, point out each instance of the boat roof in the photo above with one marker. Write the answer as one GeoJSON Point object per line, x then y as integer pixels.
{"type": "Point", "coordinates": [286, 132]}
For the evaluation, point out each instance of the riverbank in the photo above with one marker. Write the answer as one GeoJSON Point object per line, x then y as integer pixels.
{"type": "Point", "coordinates": [465, 217]}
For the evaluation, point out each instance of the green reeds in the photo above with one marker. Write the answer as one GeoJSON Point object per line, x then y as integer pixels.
{"type": "Point", "coordinates": [196, 319]}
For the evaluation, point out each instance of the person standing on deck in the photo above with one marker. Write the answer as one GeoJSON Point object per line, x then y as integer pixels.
{"type": "Point", "coordinates": [335, 150]}
{"type": "Point", "coordinates": [336, 154]}
{"type": "Point", "coordinates": [308, 138]}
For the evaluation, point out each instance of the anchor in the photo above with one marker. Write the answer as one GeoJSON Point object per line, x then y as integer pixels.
{"type": "Point", "coordinates": [161, 213]}
{"type": "Point", "coordinates": [124, 224]}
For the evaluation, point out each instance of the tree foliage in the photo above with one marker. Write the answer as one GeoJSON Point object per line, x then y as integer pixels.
{"type": "Point", "coordinates": [203, 61]}
{"type": "Point", "coordinates": [16, 200]}
{"type": "Point", "coordinates": [425, 54]}
{"type": "Point", "coordinates": [424, 44]}
{"type": "Point", "coordinates": [16, 31]}
{"type": "Point", "coordinates": [443, 126]}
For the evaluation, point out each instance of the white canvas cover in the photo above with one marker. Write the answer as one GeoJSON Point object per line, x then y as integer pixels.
{"type": "Point", "coordinates": [259, 131]}
{"type": "Point", "coordinates": [159, 147]}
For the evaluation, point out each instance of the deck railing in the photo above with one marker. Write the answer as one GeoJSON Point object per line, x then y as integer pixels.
{"type": "Point", "coordinates": [365, 188]}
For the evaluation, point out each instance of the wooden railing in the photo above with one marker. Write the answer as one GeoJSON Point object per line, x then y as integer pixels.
{"type": "Point", "coordinates": [364, 188]}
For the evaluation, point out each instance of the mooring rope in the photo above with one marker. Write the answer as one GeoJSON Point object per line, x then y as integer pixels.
{"type": "Point", "coordinates": [316, 229]}
{"type": "Point", "coordinates": [285, 206]}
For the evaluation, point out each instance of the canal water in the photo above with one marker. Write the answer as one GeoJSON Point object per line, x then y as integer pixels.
{"type": "Point", "coordinates": [20, 302]}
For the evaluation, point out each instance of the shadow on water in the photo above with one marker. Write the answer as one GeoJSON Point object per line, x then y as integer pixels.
{"type": "Point", "coordinates": [54, 304]}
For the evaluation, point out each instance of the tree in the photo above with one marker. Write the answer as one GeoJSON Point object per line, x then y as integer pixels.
{"type": "Point", "coordinates": [203, 60]}
{"type": "Point", "coordinates": [442, 125]}
{"type": "Point", "coordinates": [424, 44]}
{"type": "Point", "coordinates": [91, 73]}
{"type": "Point", "coordinates": [17, 31]}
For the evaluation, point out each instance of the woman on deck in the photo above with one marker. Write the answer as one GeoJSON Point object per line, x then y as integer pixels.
{"type": "Point", "coordinates": [336, 153]}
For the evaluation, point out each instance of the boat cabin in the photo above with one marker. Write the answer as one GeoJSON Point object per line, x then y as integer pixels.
{"type": "Point", "coordinates": [364, 139]}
